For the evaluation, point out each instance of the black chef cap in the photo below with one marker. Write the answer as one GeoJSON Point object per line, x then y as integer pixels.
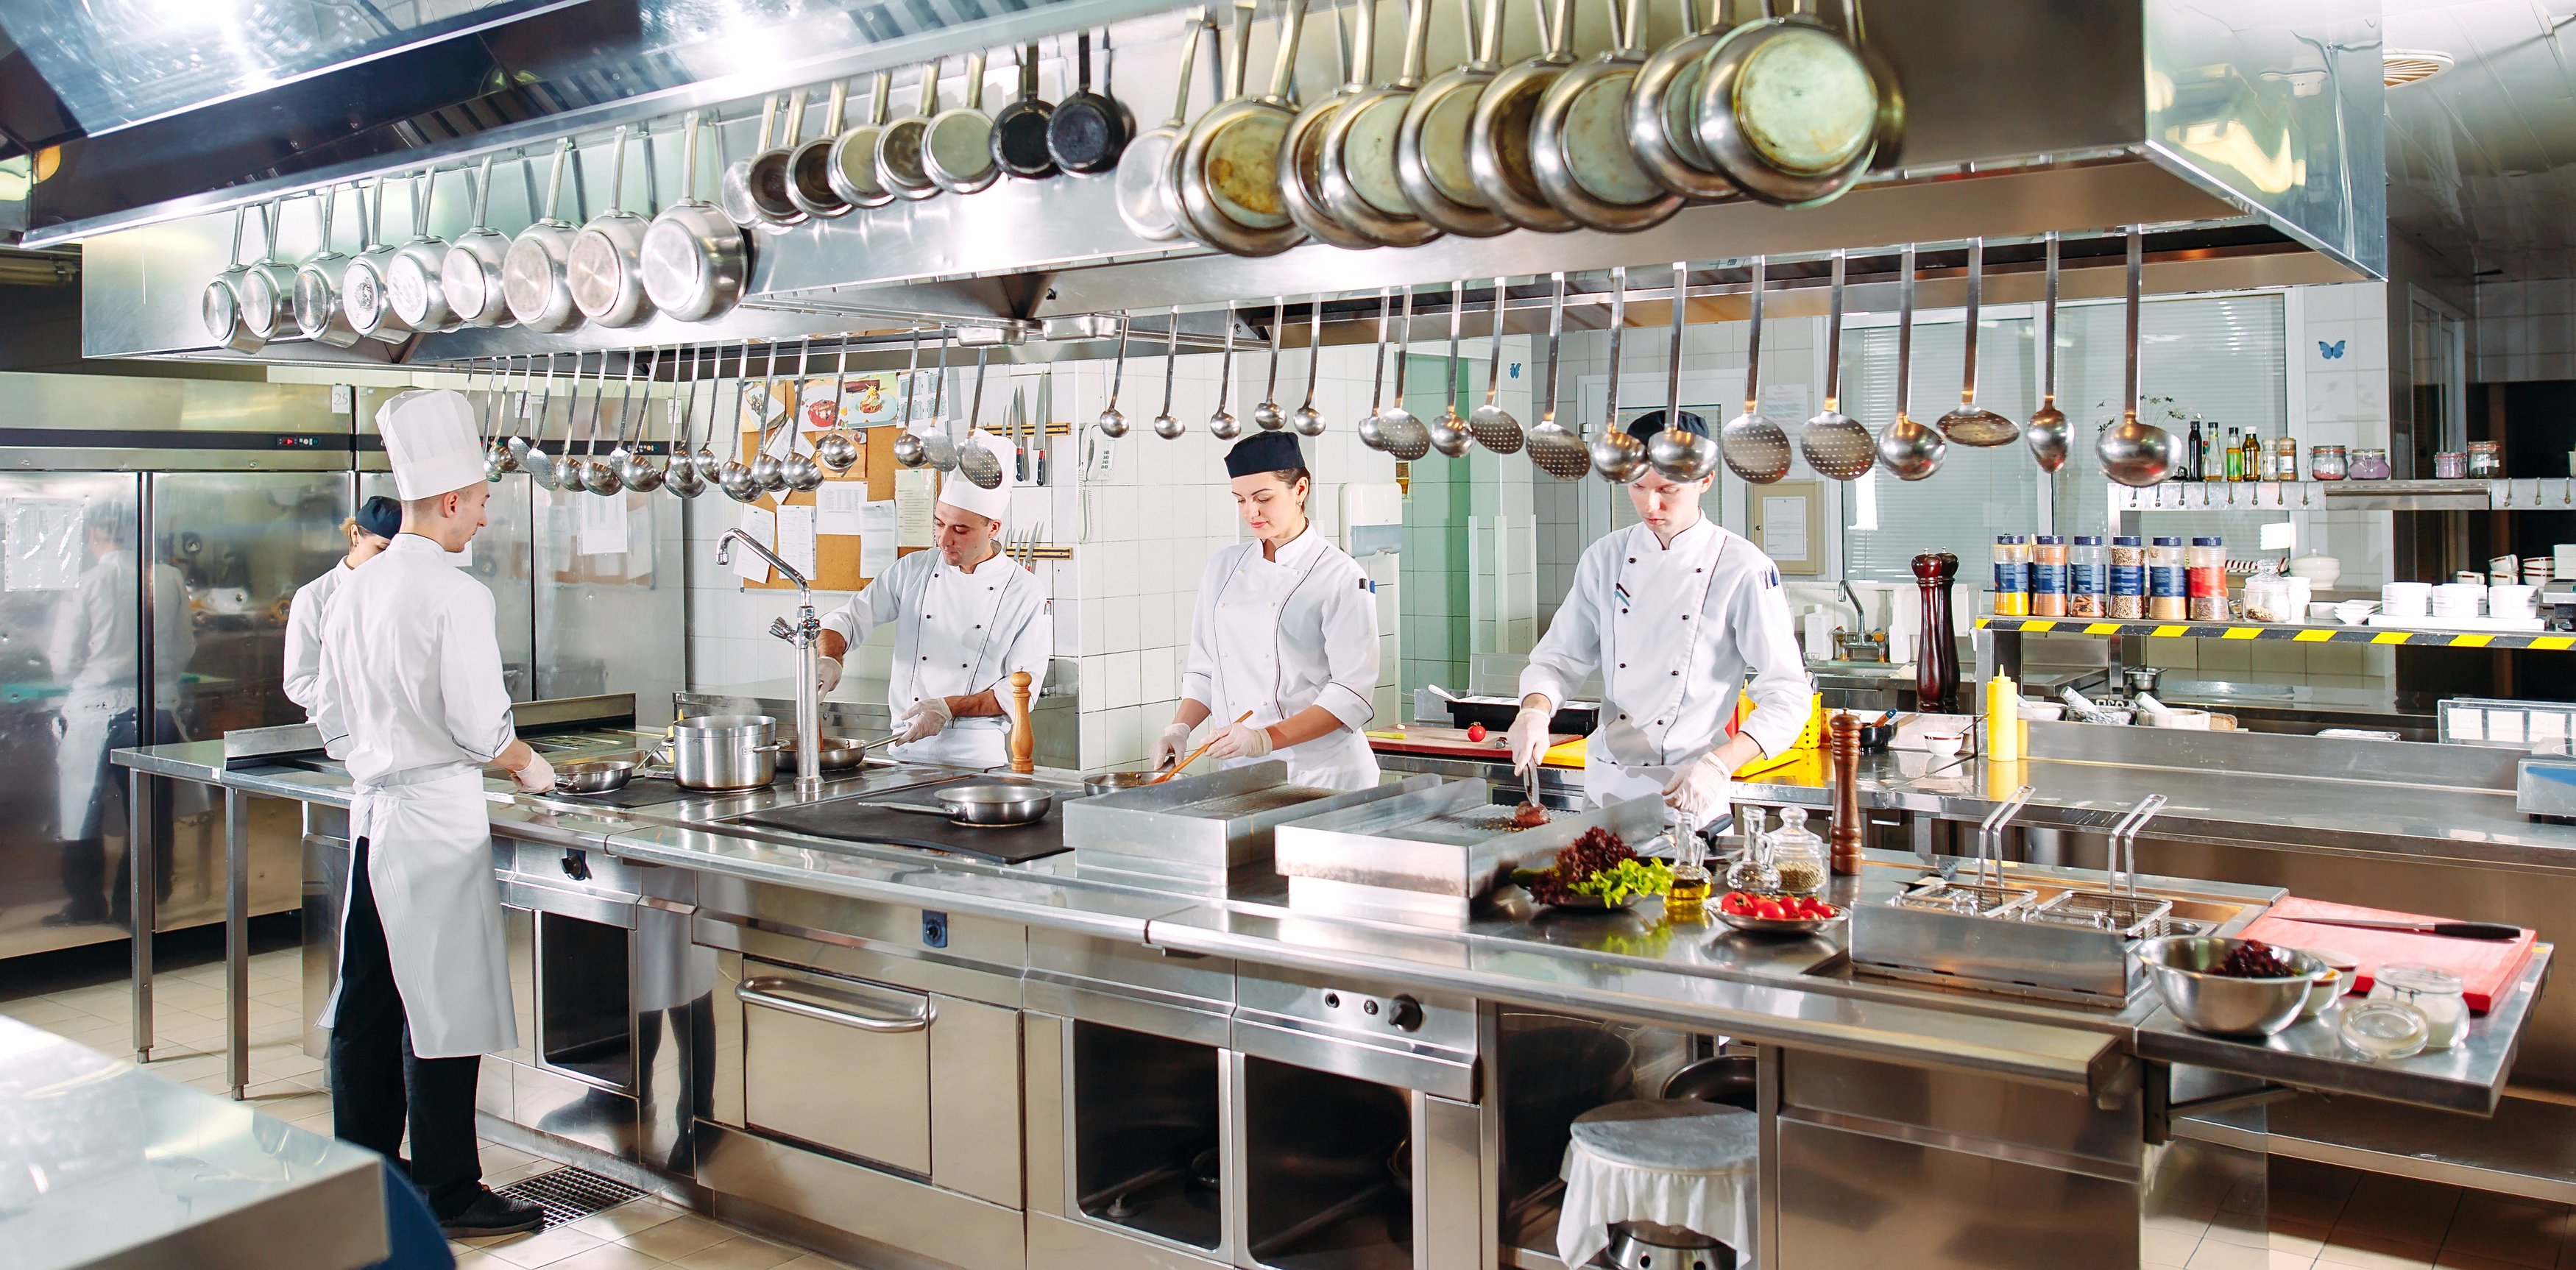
{"type": "Point", "coordinates": [380, 516]}
{"type": "Point", "coordinates": [1264, 452]}
{"type": "Point", "coordinates": [1645, 426]}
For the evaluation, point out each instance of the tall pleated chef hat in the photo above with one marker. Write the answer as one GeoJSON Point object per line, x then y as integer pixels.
{"type": "Point", "coordinates": [967, 496]}
{"type": "Point", "coordinates": [430, 439]}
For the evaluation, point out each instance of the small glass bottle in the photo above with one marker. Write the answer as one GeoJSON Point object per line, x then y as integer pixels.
{"type": "Point", "coordinates": [2234, 456]}
{"type": "Point", "coordinates": [2206, 579]}
{"type": "Point", "coordinates": [2192, 449]}
{"type": "Point", "coordinates": [1798, 854]}
{"type": "Point", "coordinates": [2048, 581]}
{"type": "Point", "coordinates": [2253, 455]}
{"type": "Point", "coordinates": [2086, 578]}
{"type": "Point", "coordinates": [2128, 578]}
{"type": "Point", "coordinates": [2012, 575]}
{"type": "Point", "coordinates": [2167, 600]}
{"type": "Point", "coordinates": [1752, 871]}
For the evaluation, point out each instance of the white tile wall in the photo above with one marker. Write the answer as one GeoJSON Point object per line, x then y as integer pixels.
{"type": "Point", "coordinates": [2525, 329]}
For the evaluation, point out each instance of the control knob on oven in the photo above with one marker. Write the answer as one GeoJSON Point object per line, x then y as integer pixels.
{"type": "Point", "coordinates": [1404, 1013]}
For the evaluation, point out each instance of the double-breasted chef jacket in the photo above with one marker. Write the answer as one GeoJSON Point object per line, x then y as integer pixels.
{"type": "Point", "coordinates": [1276, 636]}
{"type": "Point", "coordinates": [1673, 632]}
{"type": "Point", "coordinates": [410, 693]}
{"type": "Point", "coordinates": [304, 633]}
{"type": "Point", "coordinates": [956, 633]}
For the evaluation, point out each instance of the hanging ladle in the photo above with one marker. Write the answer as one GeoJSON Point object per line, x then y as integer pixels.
{"type": "Point", "coordinates": [1221, 422]}
{"type": "Point", "coordinates": [1905, 447]}
{"type": "Point", "coordinates": [1678, 453]}
{"type": "Point", "coordinates": [2134, 452]}
{"type": "Point", "coordinates": [907, 448]}
{"type": "Point", "coordinates": [1494, 427]}
{"type": "Point", "coordinates": [735, 478]}
{"type": "Point", "coordinates": [1113, 424]}
{"type": "Point", "coordinates": [1755, 448]}
{"type": "Point", "coordinates": [837, 451]}
{"type": "Point", "coordinates": [938, 448]}
{"type": "Point", "coordinates": [1834, 443]}
{"type": "Point", "coordinates": [1972, 424]}
{"type": "Point", "coordinates": [1370, 428]}
{"type": "Point", "coordinates": [1616, 453]}
{"type": "Point", "coordinates": [2046, 431]}
{"type": "Point", "coordinates": [1267, 414]}
{"type": "Point", "coordinates": [1449, 434]}
{"type": "Point", "coordinates": [683, 476]}
{"type": "Point", "coordinates": [1307, 420]}
{"type": "Point", "coordinates": [1167, 425]}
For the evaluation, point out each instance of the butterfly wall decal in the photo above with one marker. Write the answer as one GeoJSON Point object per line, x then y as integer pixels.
{"type": "Point", "coordinates": [2331, 352]}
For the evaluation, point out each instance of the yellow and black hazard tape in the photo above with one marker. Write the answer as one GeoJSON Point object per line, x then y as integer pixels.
{"type": "Point", "coordinates": [2295, 634]}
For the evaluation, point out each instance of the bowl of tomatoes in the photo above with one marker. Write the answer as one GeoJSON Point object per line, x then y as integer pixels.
{"type": "Point", "coordinates": [1760, 913]}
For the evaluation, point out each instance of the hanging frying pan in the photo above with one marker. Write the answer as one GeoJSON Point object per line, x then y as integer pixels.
{"type": "Point", "coordinates": [1663, 132]}
{"type": "Point", "coordinates": [1088, 131]}
{"type": "Point", "coordinates": [412, 277]}
{"type": "Point", "coordinates": [220, 305]}
{"type": "Point", "coordinates": [1301, 167]}
{"type": "Point", "coordinates": [535, 277]}
{"type": "Point", "coordinates": [767, 180]}
{"type": "Point", "coordinates": [471, 270]}
{"type": "Point", "coordinates": [318, 311]}
{"type": "Point", "coordinates": [1579, 137]}
{"type": "Point", "coordinates": [1020, 128]}
{"type": "Point", "coordinates": [695, 257]}
{"type": "Point", "coordinates": [1227, 169]}
{"type": "Point", "coordinates": [809, 164]}
{"type": "Point", "coordinates": [362, 291]}
{"type": "Point", "coordinates": [1498, 132]}
{"type": "Point", "coordinates": [1793, 111]}
{"type": "Point", "coordinates": [267, 288]}
{"type": "Point", "coordinates": [1146, 200]}
{"type": "Point", "coordinates": [1431, 143]}
{"type": "Point", "coordinates": [957, 148]}
{"type": "Point", "coordinates": [853, 169]}
{"type": "Point", "coordinates": [900, 144]}
{"type": "Point", "coordinates": [605, 267]}
{"type": "Point", "coordinates": [733, 188]}
{"type": "Point", "coordinates": [1360, 184]}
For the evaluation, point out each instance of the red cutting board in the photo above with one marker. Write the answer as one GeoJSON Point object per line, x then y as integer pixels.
{"type": "Point", "coordinates": [2486, 967]}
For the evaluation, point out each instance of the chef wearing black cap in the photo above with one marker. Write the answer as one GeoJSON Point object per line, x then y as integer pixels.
{"type": "Point", "coordinates": [378, 520]}
{"type": "Point", "coordinates": [1286, 630]}
{"type": "Point", "coordinates": [1673, 612]}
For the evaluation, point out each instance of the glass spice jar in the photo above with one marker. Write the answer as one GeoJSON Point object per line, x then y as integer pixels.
{"type": "Point", "coordinates": [2206, 570]}
{"type": "Point", "coordinates": [2326, 462]}
{"type": "Point", "coordinates": [2128, 578]}
{"type": "Point", "coordinates": [2085, 577]}
{"type": "Point", "coordinates": [2167, 601]}
{"type": "Point", "coordinates": [2285, 459]}
{"type": "Point", "coordinates": [1798, 854]}
{"type": "Point", "coordinates": [2012, 575]}
{"type": "Point", "coordinates": [2370, 463]}
{"type": "Point", "coordinates": [2450, 465]}
{"type": "Point", "coordinates": [2486, 459]}
{"type": "Point", "coordinates": [2048, 568]}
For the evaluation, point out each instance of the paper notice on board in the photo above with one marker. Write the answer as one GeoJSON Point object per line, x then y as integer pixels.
{"type": "Point", "coordinates": [913, 495]}
{"type": "Point", "coordinates": [763, 527]}
{"type": "Point", "coordinates": [796, 538]}
{"type": "Point", "coordinates": [603, 526]}
{"type": "Point", "coordinates": [877, 538]}
{"type": "Point", "coordinates": [1784, 529]}
{"type": "Point", "coordinates": [836, 507]}
{"type": "Point", "coordinates": [44, 544]}
{"type": "Point", "coordinates": [1784, 404]}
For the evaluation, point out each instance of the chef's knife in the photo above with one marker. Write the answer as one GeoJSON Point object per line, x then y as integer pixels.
{"type": "Point", "coordinates": [1045, 413]}
{"type": "Point", "coordinates": [2422, 926]}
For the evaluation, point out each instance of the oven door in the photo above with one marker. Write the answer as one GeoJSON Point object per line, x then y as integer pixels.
{"type": "Point", "coordinates": [840, 1063]}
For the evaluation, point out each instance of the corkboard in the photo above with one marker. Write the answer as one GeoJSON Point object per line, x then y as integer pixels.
{"type": "Point", "coordinates": [836, 556]}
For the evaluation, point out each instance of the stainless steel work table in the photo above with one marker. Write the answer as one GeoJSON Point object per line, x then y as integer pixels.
{"type": "Point", "coordinates": [108, 1165]}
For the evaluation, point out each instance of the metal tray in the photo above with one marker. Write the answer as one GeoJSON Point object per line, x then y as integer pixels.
{"type": "Point", "coordinates": [2131, 916]}
{"type": "Point", "coordinates": [1203, 826]}
{"type": "Point", "coordinates": [1445, 843]}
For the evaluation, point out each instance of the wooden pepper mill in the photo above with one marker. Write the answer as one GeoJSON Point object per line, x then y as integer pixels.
{"type": "Point", "coordinates": [1024, 738]}
{"type": "Point", "coordinates": [1845, 841]}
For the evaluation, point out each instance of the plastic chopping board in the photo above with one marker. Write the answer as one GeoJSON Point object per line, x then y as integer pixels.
{"type": "Point", "coordinates": [2486, 967]}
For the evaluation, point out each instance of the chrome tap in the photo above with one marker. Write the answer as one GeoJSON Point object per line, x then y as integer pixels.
{"type": "Point", "coordinates": [805, 634]}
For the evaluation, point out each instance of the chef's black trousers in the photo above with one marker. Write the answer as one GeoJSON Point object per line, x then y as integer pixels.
{"type": "Point", "coordinates": [375, 1077]}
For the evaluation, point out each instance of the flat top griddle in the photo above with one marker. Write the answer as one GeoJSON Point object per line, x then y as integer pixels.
{"type": "Point", "coordinates": [839, 819]}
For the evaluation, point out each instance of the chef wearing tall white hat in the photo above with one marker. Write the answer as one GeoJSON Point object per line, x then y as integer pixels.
{"type": "Point", "coordinates": [409, 690]}
{"type": "Point", "coordinates": [964, 619]}
{"type": "Point", "coordinates": [1673, 612]}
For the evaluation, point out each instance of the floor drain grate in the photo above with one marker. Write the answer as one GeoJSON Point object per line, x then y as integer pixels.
{"type": "Point", "coordinates": [569, 1194]}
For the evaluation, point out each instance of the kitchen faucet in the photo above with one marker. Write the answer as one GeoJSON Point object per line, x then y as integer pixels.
{"type": "Point", "coordinates": [804, 634]}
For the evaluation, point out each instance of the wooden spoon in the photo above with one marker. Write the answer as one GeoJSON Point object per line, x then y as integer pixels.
{"type": "Point", "coordinates": [1194, 754]}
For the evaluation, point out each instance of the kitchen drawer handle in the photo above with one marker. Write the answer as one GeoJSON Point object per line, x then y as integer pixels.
{"type": "Point", "coordinates": [762, 992]}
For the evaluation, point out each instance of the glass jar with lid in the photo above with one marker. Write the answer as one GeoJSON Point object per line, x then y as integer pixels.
{"type": "Point", "coordinates": [2048, 576]}
{"type": "Point", "coordinates": [2012, 575]}
{"type": "Point", "coordinates": [2486, 459]}
{"type": "Point", "coordinates": [2450, 465]}
{"type": "Point", "coordinates": [2326, 462]}
{"type": "Point", "coordinates": [2285, 459]}
{"type": "Point", "coordinates": [1798, 854]}
{"type": "Point", "coordinates": [2370, 463]}
{"type": "Point", "coordinates": [2166, 598]}
{"type": "Point", "coordinates": [2434, 993]}
{"type": "Point", "coordinates": [2087, 577]}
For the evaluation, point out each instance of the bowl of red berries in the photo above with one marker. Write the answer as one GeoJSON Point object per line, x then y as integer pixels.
{"type": "Point", "coordinates": [1761, 913]}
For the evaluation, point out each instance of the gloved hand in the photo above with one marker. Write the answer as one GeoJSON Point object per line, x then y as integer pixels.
{"type": "Point", "coordinates": [1241, 740]}
{"type": "Point", "coordinates": [1528, 738]}
{"type": "Point", "coordinates": [827, 674]}
{"type": "Point", "coordinates": [536, 778]}
{"type": "Point", "coordinates": [924, 720]}
{"type": "Point", "coordinates": [1701, 788]}
{"type": "Point", "coordinates": [1171, 745]}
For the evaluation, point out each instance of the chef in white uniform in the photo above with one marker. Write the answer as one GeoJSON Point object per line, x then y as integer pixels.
{"type": "Point", "coordinates": [964, 619]}
{"type": "Point", "coordinates": [409, 689]}
{"type": "Point", "coordinates": [1674, 612]}
{"type": "Point", "coordinates": [378, 520]}
{"type": "Point", "coordinates": [1285, 630]}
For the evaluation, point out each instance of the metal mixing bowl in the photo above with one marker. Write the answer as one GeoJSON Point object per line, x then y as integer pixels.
{"type": "Point", "coordinates": [2224, 1005]}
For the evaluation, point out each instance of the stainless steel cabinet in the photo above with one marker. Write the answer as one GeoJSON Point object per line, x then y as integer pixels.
{"type": "Point", "coordinates": [839, 1063]}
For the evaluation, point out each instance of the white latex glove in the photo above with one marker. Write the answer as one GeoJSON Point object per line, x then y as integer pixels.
{"type": "Point", "coordinates": [1241, 740]}
{"type": "Point", "coordinates": [827, 674]}
{"type": "Point", "coordinates": [536, 778]}
{"type": "Point", "coordinates": [924, 720]}
{"type": "Point", "coordinates": [1701, 789]}
{"type": "Point", "coordinates": [1528, 738]}
{"type": "Point", "coordinates": [1171, 745]}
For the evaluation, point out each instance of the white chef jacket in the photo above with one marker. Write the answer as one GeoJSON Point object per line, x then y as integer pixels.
{"type": "Point", "coordinates": [1673, 632]}
{"type": "Point", "coordinates": [956, 633]}
{"type": "Point", "coordinates": [409, 688]}
{"type": "Point", "coordinates": [1276, 636]}
{"type": "Point", "coordinates": [304, 632]}
{"type": "Point", "coordinates": [91, 648]}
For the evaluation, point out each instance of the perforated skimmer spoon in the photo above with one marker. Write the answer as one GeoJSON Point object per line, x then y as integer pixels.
{"type": "Point", "coordinates": [1834, 443]}
{"type": "Point", "coordinates": [1557, 452]}
{"type": "Point", "coordinates": [976, 460]}
{"type": "Point", "coordinates": [1494, 427]}
{"type": "Point", "coordinates": [1406, 437]}
{"type": "Point", "coordinates": [1755, 448]}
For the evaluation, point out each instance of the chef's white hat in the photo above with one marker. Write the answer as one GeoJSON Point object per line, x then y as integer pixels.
{"type": "Point", "coordinates": [965, 495]}
{"type": "Point", "coordinates": [430, 438]}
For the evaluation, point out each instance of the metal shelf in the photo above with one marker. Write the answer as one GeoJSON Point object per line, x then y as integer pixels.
{"type": "Point", "coordinates": [2301, 633]}
{"type": "Point", "coordinates": [2523, 494]}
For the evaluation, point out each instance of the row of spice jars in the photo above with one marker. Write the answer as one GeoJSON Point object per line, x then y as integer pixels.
{"type": "Point", "coordinates": [2046, 575]}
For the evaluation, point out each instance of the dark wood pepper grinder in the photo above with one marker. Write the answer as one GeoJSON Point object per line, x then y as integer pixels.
{"type": "Point", "coordinates": [1936, 650]}
{"type": "Point", "coordinates": [1843, 845]}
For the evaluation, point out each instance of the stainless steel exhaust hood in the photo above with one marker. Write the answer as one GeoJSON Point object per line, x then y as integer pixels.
{"type": "Point", "coordinates": [2258, 126]}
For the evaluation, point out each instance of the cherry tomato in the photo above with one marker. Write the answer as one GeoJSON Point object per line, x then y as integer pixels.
{"type": "Point", "coordinates": [1769, 910]}
{"type": "Point", "coordinates": [1738, 903]}
{"type": "Point", "coordinates": [1476, 732]}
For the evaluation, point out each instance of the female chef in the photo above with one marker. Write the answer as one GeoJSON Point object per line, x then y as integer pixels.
{"type": "Point", "coordinates": [377, 521]}
{"type": "Point", "coordinates": [1286, 630]}
{"type": "Point", "coordinates": [1673, 612]}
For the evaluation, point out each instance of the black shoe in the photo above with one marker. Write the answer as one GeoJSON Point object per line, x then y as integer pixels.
{"type": "Point", "coordinates": [490, 1215]}
{"type": "Point", "coordinates": [74, 916]}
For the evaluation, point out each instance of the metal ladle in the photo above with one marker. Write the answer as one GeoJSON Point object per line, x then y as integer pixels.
{"type": "Point", "coordinates": [1755, 448]}
{"type": "Point", "coordinates": [1406, 437]}
{"type": "Point", "coordinates": [594, 475]}
{"type": "Point", "coordinates": [531, 451]}
{"type": "Point", "coordinates": [683, 476]}
{"type": "Point", "coordinates": [1616, 455]}
{"type": "Point", "coordinates": [1307, 420]}
{"type": "Point", "coordinates": [2134, 452]}
{"type": "Point", "coordinates": [1221, 422]}
{"type": "Point", "coordinates": [1371, 431]}
{"type": "Point", "coordinates": [1905, 447]}
{"type": "Point", "coordinates": [1834, 443]}
{"type": "Point", "coordinates": [735, 479]}
{"type": "Point", "coordinates": [1113, 424]}
{"type": "Point", "coordinates": [2045, 434]}
{"type": "Point", "coordinates": [1972, 424]}
{"type": "Point", "coordinates": [1678, 454]}
{"type": "Point", "coordinates": [766, 469]}
{"type": "Point", "coordinates": [711, 467]}
{"type": "Point", "coordinates": [1449, 434]}
{"type": "Point", "coordinates": [1267, 414]}
{"type": "Point", "coordinates": [908, 452]}
{"type": "Point", "coordinates": [1167, 425]}
{"type": "Point", "coordinates": [642, 474]}
{"type": "Point", "coordinates": [1494, 427]}
{"type": "Point", "coordinates": [1557, 452]}
{"type": "Point", "coordinates": [837, 452]}
{"type": "Point", "coordinates": [801, 472]}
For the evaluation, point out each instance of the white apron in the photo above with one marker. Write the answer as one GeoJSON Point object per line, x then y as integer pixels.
{"type": "Point", "coordinates": [955, 670]}
{"type": "Point", "coordinates": [1247, 617]}
{"type": "Point", "coordinates": [429, 862]}
{"type": "Point", "coordinates": [1655, 688]}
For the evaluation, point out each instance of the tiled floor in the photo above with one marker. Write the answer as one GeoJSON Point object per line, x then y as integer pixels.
{"type": "Point", "coordinates": [188, 1017]}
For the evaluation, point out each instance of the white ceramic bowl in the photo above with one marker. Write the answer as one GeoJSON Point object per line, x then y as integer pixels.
{"type": "Point", "coordinates": [2512, 601]}
{"type": "Point", "coordinates": [2355, 612]}
{"type": "Point", "coordinates": [2184, 720]}
{"type": "Point", "coordinates": [2406, 599]}
{"type": "Point", "coordinates": [1944, 745]}
{"type": "Point", "coordinates": [2048, 710]}
{"type": "Point", "coordinates": [2320, 570]}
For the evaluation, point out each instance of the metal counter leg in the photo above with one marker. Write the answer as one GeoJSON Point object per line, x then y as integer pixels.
{"type": "Point", "coordinates": [237, 939]}
{"type": "Point", "coordinates": [143, 907]}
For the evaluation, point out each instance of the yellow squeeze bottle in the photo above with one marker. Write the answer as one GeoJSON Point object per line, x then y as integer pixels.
{"type": "Point", "coordinates": [2003, 719]}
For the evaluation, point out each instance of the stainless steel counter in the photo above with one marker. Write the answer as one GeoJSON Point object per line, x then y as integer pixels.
{"type": "Point", "coordinates": [103, 1164]}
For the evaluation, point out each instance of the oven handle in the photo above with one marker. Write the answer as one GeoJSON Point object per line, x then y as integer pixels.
{"type": "Point", "coordinates": [764, 991]}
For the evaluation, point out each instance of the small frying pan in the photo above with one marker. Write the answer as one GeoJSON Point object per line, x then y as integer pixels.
{"type": "Point", "coordinates": [767, 180]}
{"type": "Point", "coordinates": [1498, 134]}
{"type": "Point", "coordinates": [1358, 151]}
{"type": "Point", "coordinates": [1089, 130]}
{"type": "Point", "coordinates": [957, 148]}
{"type": "Point", "coordinates": [1227, 169]}
{"type": "Point", "coordinates": [853, 169]}
{"type": "Point", "coordinates": [1145, 195]}
{"type": "Point", "coordinates": [809, 163]}
{"type": "Point", "coordinates": [1431, 143]}
{"type": "Point", "coordinates": [1019, 129]}
{"type": "Point", "coordinates": [1301, 155]}
{"type": "Point", "coordinates": [1579, 138]}
{"type": "Point", "coordinates": [900, 143]}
